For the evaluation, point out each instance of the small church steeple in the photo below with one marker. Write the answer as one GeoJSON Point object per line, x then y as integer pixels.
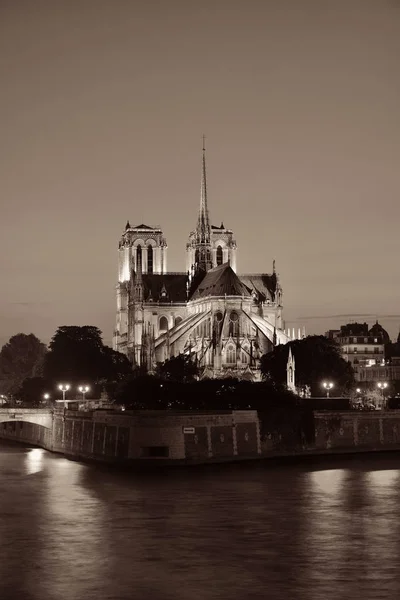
{"type": "Point", "coordinates": [290, 372]}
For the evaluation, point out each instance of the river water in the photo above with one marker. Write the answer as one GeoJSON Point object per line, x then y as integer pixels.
{"type": "Point", "coordinates": [315, 530]}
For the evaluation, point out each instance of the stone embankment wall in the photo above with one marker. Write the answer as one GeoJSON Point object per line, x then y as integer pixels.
{"type": "Point", "coordinates": [337, 432]}
{"type": "Point", "coordinates": [196, 437]}
{"type": "Point", "coordinates": [357, 431]}
{"type": "Point", "coordinates": [108, 436]}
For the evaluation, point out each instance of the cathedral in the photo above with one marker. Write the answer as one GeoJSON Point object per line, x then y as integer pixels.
{"type": "Point", "coordinates": [224, 320]}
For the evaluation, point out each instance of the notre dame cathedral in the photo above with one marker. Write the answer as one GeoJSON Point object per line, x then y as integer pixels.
{"type": "Point", "coordinates": [224, 320]}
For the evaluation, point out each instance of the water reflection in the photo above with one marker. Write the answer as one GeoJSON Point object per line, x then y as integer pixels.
{"type": "Point", "coordinates": [259, 531]}
{"type": "Point", "coordinates": [34, 460]}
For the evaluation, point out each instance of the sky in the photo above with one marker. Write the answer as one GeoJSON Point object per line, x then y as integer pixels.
{"type": "Point", "coordinates": [103, 105]}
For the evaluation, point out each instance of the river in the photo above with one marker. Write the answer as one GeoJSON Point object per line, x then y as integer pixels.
{"type": "Point", "coordinates": [312, 531]}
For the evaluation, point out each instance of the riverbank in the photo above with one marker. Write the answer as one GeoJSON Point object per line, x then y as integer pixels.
{"type": "Point", "coordinates": [148, 439]}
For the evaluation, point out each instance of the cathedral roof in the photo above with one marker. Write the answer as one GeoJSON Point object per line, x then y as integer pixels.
{"type": "Point", "coordinates": [142, 226]}
{"type": "Point", "coordinates": [170, 287]}
{"type": "Point", "coordinates": [221, 281]}
{"type": "Point", "coordinates": [262, 284]}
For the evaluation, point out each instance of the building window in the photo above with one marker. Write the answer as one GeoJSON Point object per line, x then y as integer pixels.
{"type": "Point", "coordinates": [178, 320]}
{"type": "Point", "coordinates": [163, 324]}
{"type": "Point", "coordinates": [219, 256]}
{"type": "Point", "coordinates": [219, 316]}
{"type": "Point", "coordinates": [139, 257]}
{"type": "Point", "coordinates": [234, 324]}
{"type": "Point", "coordinates": [231, 355]}
{"type": "Point", "coordinates": [245, 356]}
{"type": "Point", "coordinates": [149, 259]}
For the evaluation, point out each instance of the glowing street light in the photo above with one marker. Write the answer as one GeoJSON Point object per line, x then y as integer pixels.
{"type": "Point", "coordinates": [328, 385]}
{"type": "Point", "coordinates": [83, 390]}
{"type": "Point", "coordinates": [382, 386]}
{"type": "Point", "coordinates": [46, 397]}
{"type": "Point", "coordinates": [64, 387]}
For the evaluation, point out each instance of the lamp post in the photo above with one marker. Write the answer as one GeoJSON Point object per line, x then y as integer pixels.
{"type": "Point", "coordinates": [46, 397]}
{"type": "Point", "coordinates": [83, 390]}
{"type": "Point", "coordinates": [64, 387]}
{"type": "Point", "coordinates": [382, 386]}
{"type": "Point", "coordinates": [328, 385]}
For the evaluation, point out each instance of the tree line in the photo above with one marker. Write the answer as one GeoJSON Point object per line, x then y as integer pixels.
{"type": "Point", "coordinates": [77, 355]}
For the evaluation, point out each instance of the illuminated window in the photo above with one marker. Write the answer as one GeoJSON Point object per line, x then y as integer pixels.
{"type": "Point", "coordinates": [163, 324]}
{"type": "Point", "coordinates": [219, 256]}
{"type": "Point", "coordinates": [149, 259]}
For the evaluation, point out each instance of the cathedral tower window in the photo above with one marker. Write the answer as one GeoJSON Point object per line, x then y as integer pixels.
{"type": "Point", "coordinates": [149, 258]}
{"type": "Point", "coordinates": [139, 256]}
{"type": "Point", "coordinates": [163, 324]}
{"type": "Point", "coordinates": [219, 256]}
{"type": "Point", "coordinates": [231, 355]}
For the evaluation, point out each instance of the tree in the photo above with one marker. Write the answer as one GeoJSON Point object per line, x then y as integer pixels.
{"type": "Point", "coordinates": [77, 355]}
{"type": "Point", "coordinates": [316, 358]}
{"type": "Point", "coordinates": [181, 368]}
{"type": "Point", "coordinates": [32, 390]}
{"type": "Point", "coordinates": [20, 358]}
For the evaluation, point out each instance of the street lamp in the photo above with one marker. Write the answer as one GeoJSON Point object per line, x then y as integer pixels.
{"type": "Point", "coordinates": [64, 387]}
{"type": "Point", "coordinates": [328, 385]}
{"type": "Point", "coordinates": [382, 386]}
{"type": "Point", "coordinates": [83, 390]}
{"type": "Point", "coordinates": [46, 397]}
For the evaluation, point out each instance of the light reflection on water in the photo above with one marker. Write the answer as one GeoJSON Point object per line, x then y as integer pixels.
{"type": "Point", "coordinates": [306, 531]}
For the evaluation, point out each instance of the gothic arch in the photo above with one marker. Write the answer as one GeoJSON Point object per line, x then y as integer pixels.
{"type": "Point", "coordinates": [220, 256]}
{"type": "Point", "coordinates": [234, 323]}
{"type": "Point", "coordinates": [163, 324]}
{"type": "Point", "coordinates": [150, 259]}
{"type": "Point", "coordinates": [230, 354]}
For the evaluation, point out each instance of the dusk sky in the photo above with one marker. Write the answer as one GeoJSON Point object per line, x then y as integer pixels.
{"type": "Point", "coordinates": [103, 105]}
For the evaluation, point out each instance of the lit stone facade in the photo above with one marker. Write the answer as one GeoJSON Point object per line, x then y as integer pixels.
{"type": "Point", "coordinates": [227, 321]}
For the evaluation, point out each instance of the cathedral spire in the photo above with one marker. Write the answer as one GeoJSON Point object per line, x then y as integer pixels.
{"type": "Point", "coordinates": [203, 223]}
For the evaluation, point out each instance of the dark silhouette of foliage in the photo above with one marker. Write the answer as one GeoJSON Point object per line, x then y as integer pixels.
{"type": "Point", "coordinates": [20, 358]}
{"type": "Point", "coordinates": [316, 358]}
{"type": "Point", "coordinates": [77, 355]}
{"type": "Point", "coordinates": [180, 368]}
{"type": "Point", "coordinates": [32, 390]}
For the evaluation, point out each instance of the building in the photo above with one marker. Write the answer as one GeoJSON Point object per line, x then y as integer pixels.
{"type": "Point", "coordinates": [364, 348]}
{"type": "Point", "coordinates": [225, 320]}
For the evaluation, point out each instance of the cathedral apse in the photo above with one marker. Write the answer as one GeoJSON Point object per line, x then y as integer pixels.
{"type": "Point", "coordinates": [223, 319]}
